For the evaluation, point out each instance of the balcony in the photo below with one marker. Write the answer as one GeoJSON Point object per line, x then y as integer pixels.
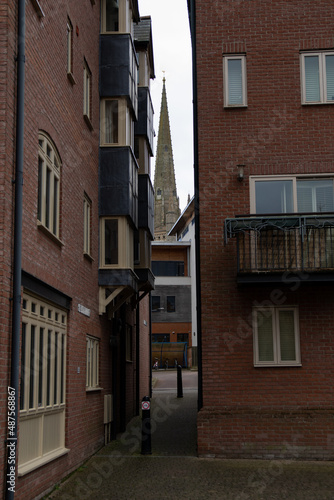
{"type": "Point", "coordinates": [269, 247]}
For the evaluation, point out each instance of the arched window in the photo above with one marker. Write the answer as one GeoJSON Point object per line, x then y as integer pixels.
{"type": "Point", "coordinates": [48, 184]}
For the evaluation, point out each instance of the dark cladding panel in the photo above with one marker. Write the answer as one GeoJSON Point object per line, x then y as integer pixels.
{"type": "Point", "coordinates": [145, 204]}
{"type": "Point", "coordinates": [118, 183]}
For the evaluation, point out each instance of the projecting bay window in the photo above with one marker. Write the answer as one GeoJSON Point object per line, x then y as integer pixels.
{"type": "Point", "coordinates": [235, 88]}
{"type": "Point", "coordinates": [317, 77]}
{"type": "Point", "coordinates": [116, 243]}
{"type": "Point", "coordinates": [117, 127]}
{"type": "Point", "coordinates": [48, 185]}
{"type": "Point", "coordinates": [276, 336]}
{"type": "Point", "coordinates": [43, 382]}
{"type": "Point", "coordinates": [116, 16]}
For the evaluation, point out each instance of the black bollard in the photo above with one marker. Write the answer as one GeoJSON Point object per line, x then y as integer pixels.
{"type": "Point", "coordinates": [179, 382]}
{"type": "Point", "coordinates": [146, 426]}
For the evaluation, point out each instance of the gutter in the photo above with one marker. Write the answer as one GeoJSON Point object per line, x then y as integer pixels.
{"type": "Point", "coordinates": [192, 22]}
{"type": "Point", "coordinates": [11, 443]}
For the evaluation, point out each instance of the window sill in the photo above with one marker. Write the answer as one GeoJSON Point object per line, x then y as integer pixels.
{"type": "Point", "coordinates": [52, 236]}
{"type": "Point", "coordinates": [235, 106]}
{"type": "Point", "coordinates": [93, 389]}
{"type": "Point", "coordinates": [88, 257]}
{"type": "Point", "coordinates": [40, 461]}
{"type": "Point", "coordinates": [317, 103]}
{"type": "Point", "coordinates": [38, 8]}
{"type": "Point", "coordinates": [71, 78]}
{"type": "Point", "coordinates": [88, 121]}
{"type": "Point", "coordinates": [276, 365]}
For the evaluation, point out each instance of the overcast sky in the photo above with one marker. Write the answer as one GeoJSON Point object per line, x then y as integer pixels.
{"type": "Point", "coordinates": [172, 55]}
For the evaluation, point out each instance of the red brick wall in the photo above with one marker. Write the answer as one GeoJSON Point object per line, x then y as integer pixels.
{"type": "Point", "coordinates": [275, 134]}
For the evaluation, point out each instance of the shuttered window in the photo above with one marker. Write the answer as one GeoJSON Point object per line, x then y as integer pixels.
{"type": "Point", "coordinates": [317, 78]}
{"type": "Point", "coordinates": [276, 336]}
{"type": "Point", "coordinates": [235, 81]}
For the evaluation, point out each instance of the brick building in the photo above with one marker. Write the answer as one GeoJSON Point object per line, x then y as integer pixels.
{"type": "Point", "coordinates": [87, 226]}
{"type": "Point", "coordinates": [264, 158]}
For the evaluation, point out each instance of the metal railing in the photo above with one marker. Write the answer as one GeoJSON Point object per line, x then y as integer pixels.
{"type": "Point", "coordinates": [283, 242]}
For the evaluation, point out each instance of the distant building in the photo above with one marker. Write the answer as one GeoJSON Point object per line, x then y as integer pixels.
{"type": "Point", "coordinates": [166, 201]}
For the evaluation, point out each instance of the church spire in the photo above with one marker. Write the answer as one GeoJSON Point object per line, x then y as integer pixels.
{"type": "Point", "coordinates": [166, 208]}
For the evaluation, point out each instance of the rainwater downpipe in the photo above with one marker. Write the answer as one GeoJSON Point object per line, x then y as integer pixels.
{"type": "Point", "coordinates": [11, 443]}
{"type": "Point", "coordinates": [192, 22]}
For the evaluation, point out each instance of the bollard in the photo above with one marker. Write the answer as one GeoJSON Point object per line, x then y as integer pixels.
{"type": "Point", "coordinates": [146, 426]}
{"type": "Point", "coordinates": [179, 382]}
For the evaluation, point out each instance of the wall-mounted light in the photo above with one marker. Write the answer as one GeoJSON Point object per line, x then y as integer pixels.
{"type": "Point", "coordinates": [241, 172]}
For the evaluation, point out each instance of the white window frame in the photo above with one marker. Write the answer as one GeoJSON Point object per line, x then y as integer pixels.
{"type": "Point", "coordinates": [92, 363]}
{"type": "Point", "coordinates": [294, 179]}
{"type": "Point", "coordinates": [125, 239]}
{"type": "Point", "coordinates": [226, 59]}
{"type": "Point", "coordinates": [277, 362]}
{"type": "Point", "coordinates": [87, 207]}
{"type": "Point", "coordinates": [125, 24]}
{"type": "Point", "coordinates": [322, 76]}
{"type": "Point", "coordinates": [48, 212]}
{"type": "Point", "coordinates": [87, 93]}
{"type": "Point", "coordinates": [43, 383]}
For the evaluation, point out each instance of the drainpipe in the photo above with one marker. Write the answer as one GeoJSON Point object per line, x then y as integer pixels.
{"type": "Point", "coordinates": [192, 22]}
{"type": "Point", "coordinates": [11, 446]}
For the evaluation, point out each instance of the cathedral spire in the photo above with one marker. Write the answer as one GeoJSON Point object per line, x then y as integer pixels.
{"type": "Point", "coordinates": [166, 208]}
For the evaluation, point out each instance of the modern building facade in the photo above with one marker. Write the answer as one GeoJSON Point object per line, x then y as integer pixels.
{"type": "Point", "coordinates": [87, 226]}
{"type": "Point", "coordinates": [264, 163]}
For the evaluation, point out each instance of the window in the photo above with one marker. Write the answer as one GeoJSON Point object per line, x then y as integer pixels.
{"type": "Point", "coordinates": [183, 337]}
{"type": "Point", "coordinates": [111, 15]}
{"type": "Point", "coordinates": [161, 337]}
{"type": "Point", "coordinates": [116, 123]}
{"type": "Point", "coordinates": [291, 195]}
{"type": "Point", "coordinates": [87, 93]}
{"type": "Point", "coordinates": [43, 382]}
{"type": "Point", "coordinates": [155, 304]}
{"type": "Point", "coordinates": [276, 336]}
{"type": "Point", "coordinates": [170, 304]}
{"type": "Point", "coordinates": [87, 206]}
{"type": "Point", "coordinates": [317, 77]}
{"type": "Point", "coordinates": [235, 81]}
{"type": "Point", "coordinates": [70, 50]}
{"type": "Point", "coordinates": [116, 243]}
{"type": "Point", "coordinates": [168, 268]}
{"type": "Point", "coordinates": [110, 128]}
{"type": "Point", "coordinates": [48, 185]}
{"type": "Point", "coordinates": [92, 362]}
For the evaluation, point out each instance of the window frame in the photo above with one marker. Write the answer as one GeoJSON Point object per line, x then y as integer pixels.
{"type": "Point", "coordinates": [170, 304]}
{"type": "Point", "coordinates": [92, 363]}
{"type": "Point", "coordinates": [226, 59]}
{"type": "Point", "coordinates": [277, 362]}
{"type": "Point", "coordinates": [43, 382]}
{"type": "Point", "coordinates": [293, 178]}
{"type": "Point", "coordinates": [124, 17]}
{"type": "Point", "coordinates": [87, 94]}
{"type": "Point", "coordinates": [49, 170]}
{"type": "Point", "coordinates": [69, 29]}
{"type": "Point", "coordinates": [87, 208]}
{"type": "Point", "coordinates": [322, 76]}
{"type": "Point", "coordinates": [125, 244]}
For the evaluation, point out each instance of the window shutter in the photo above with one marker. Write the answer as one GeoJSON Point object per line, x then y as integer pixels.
{"type": "Point", "coordinates": [287, 335]}
{"type": "Point", "coordinates": [265, 335]}
{"type": "Point", "coordinates": [235, 81]}
{"type": "Point", "coordinates": [330, 77]}
{"type": "Point", "coordinates": [312, 81]}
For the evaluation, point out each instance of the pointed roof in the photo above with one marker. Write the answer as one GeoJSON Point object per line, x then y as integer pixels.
{"type": "Point", "coordinates": [166, 210]}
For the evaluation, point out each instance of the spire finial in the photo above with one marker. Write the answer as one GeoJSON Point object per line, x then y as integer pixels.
{"type": "Point", "coordinates": [164, 77]}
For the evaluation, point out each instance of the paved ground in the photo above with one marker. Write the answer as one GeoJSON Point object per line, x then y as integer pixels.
{"type": "Point", "coordinates": [119, 471]}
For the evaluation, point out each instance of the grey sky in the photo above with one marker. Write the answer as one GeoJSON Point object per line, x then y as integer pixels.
{"type": "Point", "coordinates": [172, 55]}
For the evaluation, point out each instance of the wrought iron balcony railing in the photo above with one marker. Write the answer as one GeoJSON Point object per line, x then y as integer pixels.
{"type": "Point", "coordinates": [271, 244]}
